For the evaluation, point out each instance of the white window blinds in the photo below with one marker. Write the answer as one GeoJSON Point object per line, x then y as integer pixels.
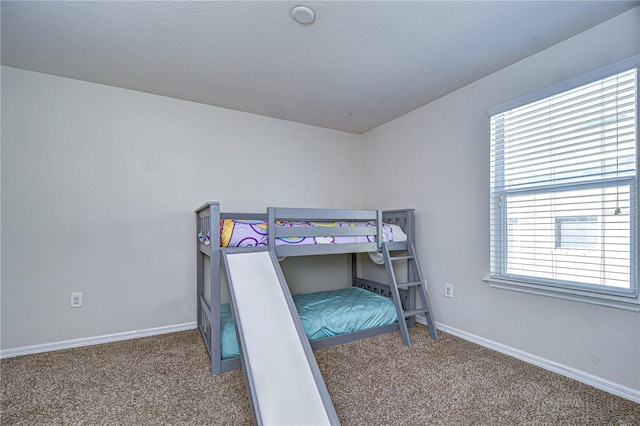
{"type": "Point", "coordinates": [564, 189]}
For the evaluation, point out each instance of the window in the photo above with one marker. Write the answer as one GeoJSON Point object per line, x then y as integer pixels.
{"type": "Point", "coordinates": [564, 198]}
{"type": "Point", "coordinates": [577, 232]}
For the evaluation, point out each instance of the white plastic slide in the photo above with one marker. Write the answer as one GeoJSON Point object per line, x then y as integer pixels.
{"type": "Point", "coordinates": [283, 378]}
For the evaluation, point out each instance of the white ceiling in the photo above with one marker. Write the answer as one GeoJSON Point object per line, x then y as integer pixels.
{"type": "Point", "coordinates": [359, 65]}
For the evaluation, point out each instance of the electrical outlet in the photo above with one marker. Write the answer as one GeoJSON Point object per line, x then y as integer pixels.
{"type": "Point", "coordinates": [448, 290]}
{"type": "Point", "coordinates": [76, 300]}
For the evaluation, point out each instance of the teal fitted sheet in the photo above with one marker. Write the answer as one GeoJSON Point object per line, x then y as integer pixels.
{"type": "Point", "coordinates": [323, 314]}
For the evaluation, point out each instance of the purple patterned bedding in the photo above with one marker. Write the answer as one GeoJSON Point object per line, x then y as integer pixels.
{"type": "Point", "coordinates": [253, 233]}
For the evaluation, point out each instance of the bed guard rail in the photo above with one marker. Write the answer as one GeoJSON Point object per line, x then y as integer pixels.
{"type": "Point", "coordinates": [324, 215]}
{"type": "Point", "coordinates": [403, 218]}
{"type": "Point", "coordinates": [207, 218]}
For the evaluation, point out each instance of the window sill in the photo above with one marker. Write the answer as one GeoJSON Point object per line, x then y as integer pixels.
{"type": "Point", "coordinates": [618, 302]}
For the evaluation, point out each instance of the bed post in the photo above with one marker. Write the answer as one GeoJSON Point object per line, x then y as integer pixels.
{"type": "Point", "coordinates": [271, 232]}
{"type": "Point", "coordinates": [379, 229]}
{"type": "Point", "coordinates": [409, 223]}
{"type": "Point", "coordinates": [214, 282]}
{"type": "Point", "coordinates": [410, 226]}
{"type": "Point", "coordinates": [199, 275]}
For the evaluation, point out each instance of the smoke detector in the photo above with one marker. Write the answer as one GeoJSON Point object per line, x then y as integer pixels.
{"type": "Point", "coordinates": [303, 15]}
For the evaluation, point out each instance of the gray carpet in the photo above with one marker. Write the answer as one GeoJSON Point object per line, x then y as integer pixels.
{"type": "Point", "coordinates": [377, 381]}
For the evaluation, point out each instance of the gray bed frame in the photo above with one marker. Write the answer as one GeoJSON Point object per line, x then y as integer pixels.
{"type": "Point", "coordinates": [208, 218]}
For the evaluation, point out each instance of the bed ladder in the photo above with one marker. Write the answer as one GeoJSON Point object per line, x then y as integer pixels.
{"type": "Point", "coordinates": [415, 281]}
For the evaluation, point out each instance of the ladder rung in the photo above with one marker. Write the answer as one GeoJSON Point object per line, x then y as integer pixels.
{"type": "Point", "coordinates": [402, 257]}
{"type": "Point", "coordinates": [409, 284]}
{"type": "Point", "coordinates": [408, 314]}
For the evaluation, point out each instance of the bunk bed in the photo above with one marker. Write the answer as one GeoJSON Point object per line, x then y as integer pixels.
{"type": "Point", "coordinates": [301, 232]}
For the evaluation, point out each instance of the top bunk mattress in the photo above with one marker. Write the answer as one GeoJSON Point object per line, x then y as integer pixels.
{"type": "Point", "coordinates": [254, 233]}
{"type": "Point", "coordinates": [323, 314]}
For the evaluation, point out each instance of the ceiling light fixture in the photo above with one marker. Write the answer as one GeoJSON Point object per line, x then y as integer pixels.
{"type": "Point", "coordinates": [303, 15]}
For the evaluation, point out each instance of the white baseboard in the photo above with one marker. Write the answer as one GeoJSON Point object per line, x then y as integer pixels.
{"type": "Point", "coordinates": [563, 370]}
{"type": "Point", "coordinates": [88, 341]}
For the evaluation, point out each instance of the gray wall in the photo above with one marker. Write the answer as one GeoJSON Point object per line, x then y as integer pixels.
{"type": "Point", "coordinates": [98, 190]}
{"type": "Point", "coordinates": [442, 154]}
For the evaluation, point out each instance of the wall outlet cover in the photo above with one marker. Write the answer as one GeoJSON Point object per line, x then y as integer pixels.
{"type": "Point", "coordinates": [448, 290]}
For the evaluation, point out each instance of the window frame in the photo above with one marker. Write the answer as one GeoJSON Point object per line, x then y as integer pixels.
{"type": "Point", "coordinates": [625, 299]}
{"type": "Point", "coordinates": [560, 220]}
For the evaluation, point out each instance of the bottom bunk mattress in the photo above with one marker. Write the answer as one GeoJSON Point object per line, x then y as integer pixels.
{"type": "Point", "coordinates": [323, 314]}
